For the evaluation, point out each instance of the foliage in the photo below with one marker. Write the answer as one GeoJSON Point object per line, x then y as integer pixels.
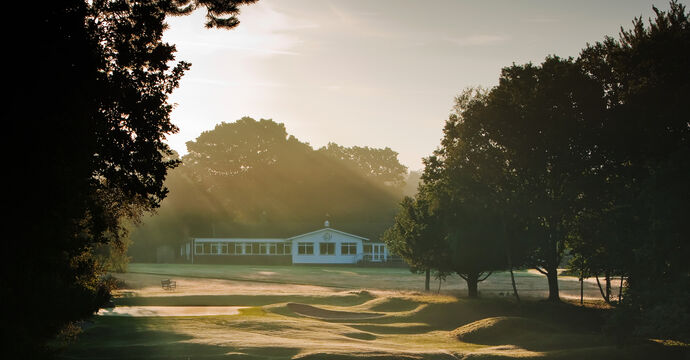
{"type": "Point", "coordinates": [646, 84]}
{"type": "Point", "coordinates": [379, 165]}
{"type": "Point", "coordinates": [251, 178]}
{"type": "Point", "coordinates": [417, 237]}
{"type": "Point", "coordinates": [89, 108]}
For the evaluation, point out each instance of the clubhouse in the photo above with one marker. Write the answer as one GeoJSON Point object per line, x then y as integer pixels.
{"type": "Point", "coordinates": [324, 246]}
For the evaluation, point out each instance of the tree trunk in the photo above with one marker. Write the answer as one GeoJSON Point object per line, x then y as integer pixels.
{"type": "Point", "coordinates": [472, 281]}
{"type": "Point", "coordinates": [552, 277]}
{"type": "Point", "coordinates": [582, 288]}
{"type": "Point", "coordinates": [512, 276]}
{"type": "Point", "coordinates": [606, 299]}
{"type": "Point", "coordinates": [608, 287]}
{"type": "Point", "coordinates": [512, 279]}
{"type": "Point", "coordinates": [427, 280]}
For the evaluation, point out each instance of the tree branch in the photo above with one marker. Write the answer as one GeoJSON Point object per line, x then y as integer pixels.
{"type": "Point", "coordinates": [485, 277]}
{"type": "Point", "coordinates": [540, 270]}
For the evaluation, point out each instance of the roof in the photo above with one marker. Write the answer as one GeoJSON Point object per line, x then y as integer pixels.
{"type": "Point", "coordinates": [329, 229]}
{"type": "Point", "coordinates": [240, 239]}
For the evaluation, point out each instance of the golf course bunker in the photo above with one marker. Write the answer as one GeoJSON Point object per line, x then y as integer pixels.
{"type": "Point", "coordinates": [315, 312]}
{"type": "Point", "coordinates": [141, 311]}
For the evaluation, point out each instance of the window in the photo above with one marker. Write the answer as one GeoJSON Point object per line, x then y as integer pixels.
{"type": "Point", "coordinates": [366, 249]}
{"type": "Point", "coordinates": [348, 249]}
{"type": "Point", "coordinates": [214, 248]}
{"type": "Point", "coordinates": [272, 248]}
{"type": "Point", "coordinates": [199, 249]}
{"type": "Point", "coordinates": [239, 248]}
{"type": "Point", "coordinates": [207, 248]}
{"type": "Point", "coordinates": [263, 247]}
{"type": "Point", "coordinates": [305, 248]}
{"type": "Point", "coordinates": [284, 249]}
{"type": "Point", "coordinates": [231, 248]}
{"type": "Point", "coordinates": [256, 249]}
{"type": "Point", "coordinates": [327, 248]}
{"type": "Point", "coordinates": [224, 248]}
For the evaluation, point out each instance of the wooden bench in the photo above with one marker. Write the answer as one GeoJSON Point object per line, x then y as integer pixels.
{"type": "Point", "coordinates": [168, 284]}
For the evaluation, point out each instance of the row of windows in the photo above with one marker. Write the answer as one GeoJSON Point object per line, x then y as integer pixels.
{"type": "Point", "coordinates": [307, 248]}
{"type": "Point", "coordinates": [238, 248]}
{"type": "Point", "coordinates": [303, 248]}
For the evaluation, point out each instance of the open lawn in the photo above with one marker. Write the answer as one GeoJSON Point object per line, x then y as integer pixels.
{"type": "Point", "coordinates": [530, 283]}
{"type": "Point", "coordinates": [245, 312]}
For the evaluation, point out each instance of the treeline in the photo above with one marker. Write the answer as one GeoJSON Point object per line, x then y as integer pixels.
{"type": "Point", "coordinates": [252, 179]}
{"type": "Point", "coordinates": [587, 156]}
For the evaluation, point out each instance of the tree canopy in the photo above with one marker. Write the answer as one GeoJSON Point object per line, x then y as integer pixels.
{"type": "Point", "coordinates": [89, 110]}
{"type": "Point", "coordinates": [588, 154]}
{"type": "Point", "coordinates": [251, 178]}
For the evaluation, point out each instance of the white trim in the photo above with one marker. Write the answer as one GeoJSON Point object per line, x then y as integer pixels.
{"type": "Point", "coordinates": [326, 229]}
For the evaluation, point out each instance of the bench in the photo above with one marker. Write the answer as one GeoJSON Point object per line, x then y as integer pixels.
{"type": "Point", "coordinates": [168, 284]}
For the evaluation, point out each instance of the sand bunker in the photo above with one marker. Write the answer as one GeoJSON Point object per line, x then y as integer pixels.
{"type": "Point", "coordinates": [313, 311]}
{"type": "Point", "coordinates": [138, 311]}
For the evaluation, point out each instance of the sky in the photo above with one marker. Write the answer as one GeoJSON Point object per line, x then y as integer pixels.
{"type": "Point", "coordinates": [378, 73]}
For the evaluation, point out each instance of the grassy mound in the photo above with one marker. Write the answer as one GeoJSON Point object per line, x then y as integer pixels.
{"type": "Point", "coordinates": [527, 333]}
{"type": "Point", "coordinates": [316, 312]}
{"type": "Point", "coordinates": [493, 329]}
{"type": "Point", "coordinates": [392, 304]}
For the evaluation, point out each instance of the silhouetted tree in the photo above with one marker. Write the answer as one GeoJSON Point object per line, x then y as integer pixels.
{"type": "Point", "coordinates": [542, 118]}
{"type": "Point", "coordinates": [644, 79]}
{"type": "Point", "coordinates": [417, 236]}
{"type": "Point", "coordinates": [465, 176]}
{"type": "Point", "coordinates": [89, 109]}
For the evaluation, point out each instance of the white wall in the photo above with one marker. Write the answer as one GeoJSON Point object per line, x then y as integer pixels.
{"type": "Point", "coordinates": [318, 238]}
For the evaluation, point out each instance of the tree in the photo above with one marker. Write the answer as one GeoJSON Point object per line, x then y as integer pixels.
{"type": "Point", "coordinates": [643, 76]}
{"type": "Point", "coordinates": [467, 175]}
{"type": "Point", "coordinates": [251, 178]}
{"type": "Point", "coordinates": [545, 120]}
{"type": "Point", "coordinates": [89, 108]}
{"type": "Point", "coordinates": [417, 237]}
{"type": "Point", "coordinates": [414, 179]}
{"type": "Point", "coordinates": [379, 165]}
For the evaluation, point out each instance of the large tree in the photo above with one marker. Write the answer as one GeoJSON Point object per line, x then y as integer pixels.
{"type": "Point", "coordinates": [379, 165]}
{"type": "Point", "coordinates": [545, 119]}
{"type": "Point", "coordinates": [645, 81]}
{"type": "Point", "coordinates": [89, 114]}
{"type": "Point", "coordinates": [468, 176]}
{"type": "Point", "coordinates": [251, 178]}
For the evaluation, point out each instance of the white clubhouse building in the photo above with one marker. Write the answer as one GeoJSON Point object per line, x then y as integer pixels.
{"type": "Point", "coordinates": [324, 246]}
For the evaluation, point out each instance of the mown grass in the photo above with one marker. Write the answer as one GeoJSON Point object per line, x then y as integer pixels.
{"type": "Point", "coordinates": [411, 325]}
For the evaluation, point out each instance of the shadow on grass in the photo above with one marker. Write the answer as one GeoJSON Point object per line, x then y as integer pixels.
{"type": "Point", "coordinates": [134, 338]}
{"type": "Point", "coordinates": [243, 300]}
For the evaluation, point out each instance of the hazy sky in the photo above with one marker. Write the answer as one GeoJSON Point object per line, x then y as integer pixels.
{"type": "Point", "coordinates": [371, 73]}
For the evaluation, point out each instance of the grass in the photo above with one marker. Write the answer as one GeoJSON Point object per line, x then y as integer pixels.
{"type": "Point", "coordinates": [529, 283]}
{"type": "Point", "coordinates": [313, 321]}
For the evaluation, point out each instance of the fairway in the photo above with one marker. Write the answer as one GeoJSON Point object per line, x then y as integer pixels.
{"type": "Point", "coordinates": [242, 312]}
{"type": "Point", "coordinates": [529, 282]}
